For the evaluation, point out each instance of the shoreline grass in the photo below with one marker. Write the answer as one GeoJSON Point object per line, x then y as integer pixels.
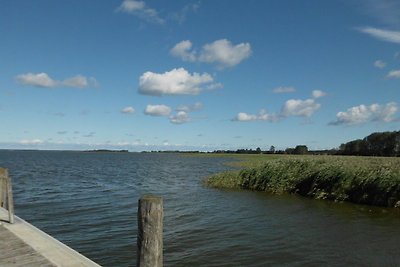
{"type": "Point", "coordinates": [363, 180]}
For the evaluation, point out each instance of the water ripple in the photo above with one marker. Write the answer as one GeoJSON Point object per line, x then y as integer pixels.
{"type": "Point", "coordinates": [89, 201]}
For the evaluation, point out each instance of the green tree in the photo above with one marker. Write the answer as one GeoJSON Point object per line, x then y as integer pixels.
{"type": "Point", "coordinates": [272, 150]}
{"type": "Point", "coordinates": [300, 150]}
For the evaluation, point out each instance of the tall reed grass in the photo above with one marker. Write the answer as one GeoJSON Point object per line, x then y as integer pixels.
{"type": "Point", "coordinates": [365, 180]}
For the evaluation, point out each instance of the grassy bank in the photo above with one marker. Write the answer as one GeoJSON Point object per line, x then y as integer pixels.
{"type": "Point", "coordinates": [365, 180]}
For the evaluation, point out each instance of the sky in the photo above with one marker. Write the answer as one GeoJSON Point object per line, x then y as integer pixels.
{"type": "Point", "coordinates": [197, 75]}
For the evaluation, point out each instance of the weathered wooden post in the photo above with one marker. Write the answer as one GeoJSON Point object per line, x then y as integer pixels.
{"type": "Point", "coordinates": [6, 194]}
{"type": "Point", "coordinates": [150, 232]}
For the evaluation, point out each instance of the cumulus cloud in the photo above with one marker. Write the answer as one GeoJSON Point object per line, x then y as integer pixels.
{"type": "Point", "coordinates": [157, 110]}
{"type": "Point", "coordinates": [182, 50]}
{"type": "Point", "coordinates": [301, 108]}
{"type": "Point", "coordinates": [379, 64]}
{"type": "Point", "coordinates": [43, 80]}
{"type": "Point", "coordinates": [394, 74]}
{"type": "Point", "coordinates": [221, 52]}
{"type": "Point", "coordinates": [292, 107]}
{"type": "Point", "coordinates": [37, 80]}
{"type": "Point", "coordinates": [79, 81]}
{"type": "Point", "coordinates": [383, 35]}
{"type": "Point", "coordinates": [214, 86]}
{"type": "Point", "coordinates": [318, 94]}
{"type": "Point", "coordinates": [242, 116]}
{"type": "Point", "coordinates": [263, 115]}
{"type": "Point", "coordinates": [282, 90]}
{"type": "Point", "coordinates": [181, 115]}
{"type": "Point", "coordinates": [174, 82]}
{"type": "Point", "coordinates": [139, 9]}
{"type": "Point", "coordinates": [189, 108]}
{"type": "Point", "coordinates": [362, 114]}
{"type": "Point", "coordinates": [128, 110]}
{"type": "Point", "coordinates": [131, 6]}
{"type": "Point", "coordinates": [224, 53]}
{"type": "Point", "coordinates": [180, 118]}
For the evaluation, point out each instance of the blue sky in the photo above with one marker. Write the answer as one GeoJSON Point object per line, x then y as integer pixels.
{"type": "Point", "coordinates": [145, 75]}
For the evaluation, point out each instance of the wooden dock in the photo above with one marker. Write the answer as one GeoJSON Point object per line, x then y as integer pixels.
{"type": "Point", "coordinates": [22, 244]}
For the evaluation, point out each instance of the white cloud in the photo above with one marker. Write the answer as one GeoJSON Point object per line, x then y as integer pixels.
{"type": "Point", "coordinates": [220, 52]}
{"type": "Point", "coordinates": [394, 74]}
{"type": "Point", "coordinates": [139, 9]}
{"type": "Point", "coordinates": [79, 81]}
{"type": "Point", "coordinates": [282, 90]}
{"type": "Point", "coordinates": [128, 110]}
{"type": "Point", "coordinates": [379, 64]}
{"type": "Point", "coordinates": [242, 116]}
{"type": "Point", "coordinates": [182, 50]}
{"type": "Point", "coordinates": [157, 110]}
{"type": "Point", "coordinates": [174, 82]}
{"type": "Point", "coordinates": [298, 107]}
{"type": "Point", "coordinates": [292, 107]}
{"type": "Point", "coordinates": [318, 94]}
{"type": "Point", "coordinates": [180, 118]}
{"type": "Point", "coordinates": [262, 116]}
{"type": "Point", "coordinates": [383, 35]}
{"type": "Point", "coordinates": [214, 86]}
{"type": "Point", "coordinates": [362, 114]}
{"type": "Point", "coordinates": [45, 81]}
{"type": "Point", "coordinates": [37, 80]}
{"type": "Point", "coordinates": [131, 5]}
{"type": "Point", "coordinates": [190, 108]}
{"type": "Point", "coordinates": [182, 115]}
{"type": "Point", "coordinates": [31, 142]}
{"type": "Point", "coordinates": [224, 54]}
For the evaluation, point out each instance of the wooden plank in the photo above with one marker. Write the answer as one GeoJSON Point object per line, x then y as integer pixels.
{"type": "Point", "coordinates": [44, 245]}
{"type": "Point", "coordinates": [14, 252]}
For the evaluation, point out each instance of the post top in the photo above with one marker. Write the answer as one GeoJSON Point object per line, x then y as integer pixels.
{"type": "Point", "coordinates": [3, 171]}
{"type": "Point", "coordinates": [151, 198]}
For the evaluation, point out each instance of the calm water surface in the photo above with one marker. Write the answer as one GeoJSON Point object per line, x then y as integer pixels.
{"type": "Point", "coordinates": [89, 202]}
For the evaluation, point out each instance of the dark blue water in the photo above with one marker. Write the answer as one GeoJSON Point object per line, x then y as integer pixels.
{"type": "Point", "coordinates": [89, 202]}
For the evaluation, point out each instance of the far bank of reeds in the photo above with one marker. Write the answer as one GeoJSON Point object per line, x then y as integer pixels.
{"type": "Point", "coordinates": [364, 180]}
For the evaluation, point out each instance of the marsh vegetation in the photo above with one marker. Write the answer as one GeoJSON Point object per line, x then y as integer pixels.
{"type": "Point", "coordinates": [364, 180]}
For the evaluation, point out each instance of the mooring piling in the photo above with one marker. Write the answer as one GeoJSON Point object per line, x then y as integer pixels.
{"type": "Point", "coordinates": [150, 232]}
{"type": "Point", "coordinates": [6, 194]}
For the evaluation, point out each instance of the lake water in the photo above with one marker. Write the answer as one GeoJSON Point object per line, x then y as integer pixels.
{"type": "Point", "coordinates": [89, 202]}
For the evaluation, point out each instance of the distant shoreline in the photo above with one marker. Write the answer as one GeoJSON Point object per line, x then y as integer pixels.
{"type": "Point", "coordinates": [106, 151]}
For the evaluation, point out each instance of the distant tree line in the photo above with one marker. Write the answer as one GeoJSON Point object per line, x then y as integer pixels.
{"type": "Point", "coordinates": [375, 144]}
